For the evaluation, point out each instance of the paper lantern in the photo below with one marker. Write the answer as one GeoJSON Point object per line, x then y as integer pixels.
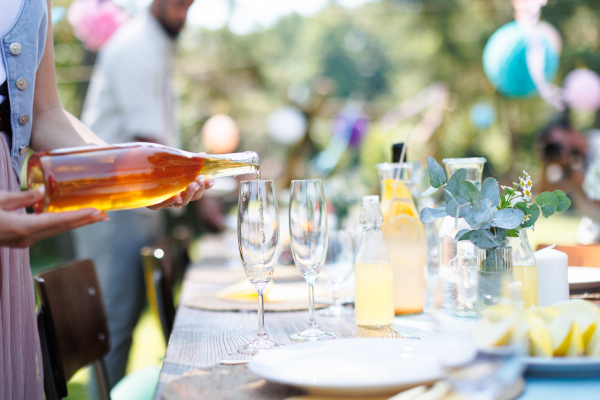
{"type": "Point", "coordinates": [220, 134]}
{"type": "Point", "coordinates": [552, 34]}
{"type": "Point", "coordinates": [482, 115]}
{"type": "Point", "coordinates": [95, 21]}
{"type": "Point", "coordinates": [505, 64]}
{"type": "Point", "coordinates": [582, 90]}
{"type": "Point", "coordinates": [287, 125]}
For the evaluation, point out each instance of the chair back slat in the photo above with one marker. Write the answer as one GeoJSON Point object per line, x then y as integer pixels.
{"type": "Point", "coordinates": [579, 256]}
{"type": "Point", "coordinates": [158, 274]}
{"type": "Point", "coordinates": [73, 309]}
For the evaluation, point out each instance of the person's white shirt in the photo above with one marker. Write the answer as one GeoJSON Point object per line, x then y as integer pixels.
{"type": "Point", "coordinates": [130, 91]}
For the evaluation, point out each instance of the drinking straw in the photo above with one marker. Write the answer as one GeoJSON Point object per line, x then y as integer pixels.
{"type": "Point", "coordinates": [397, 178]}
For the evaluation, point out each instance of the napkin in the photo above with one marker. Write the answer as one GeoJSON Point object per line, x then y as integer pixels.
{"type": "Point", "coordinates": [273, 293]}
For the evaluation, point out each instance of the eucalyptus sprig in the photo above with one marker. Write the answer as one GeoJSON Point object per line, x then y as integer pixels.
{"type": "Point", "coordinates": [492, 217]}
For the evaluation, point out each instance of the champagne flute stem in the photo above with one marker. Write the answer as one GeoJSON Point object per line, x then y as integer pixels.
{"type": "Point", "coordinates": [334, 290]}
{"type": "Point", "coordinates": [311, 301]}
{"type": "Point", "coordinates": [261, 314]}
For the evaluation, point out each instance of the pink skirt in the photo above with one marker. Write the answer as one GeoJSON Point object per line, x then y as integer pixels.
{"type": "Point", "coordinates": [21, 374]}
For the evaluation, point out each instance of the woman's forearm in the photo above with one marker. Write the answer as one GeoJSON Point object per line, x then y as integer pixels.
{"type": "Point", "coordinates": [56, 128]}
{"type": "Point", "coordinates": [53, 127]}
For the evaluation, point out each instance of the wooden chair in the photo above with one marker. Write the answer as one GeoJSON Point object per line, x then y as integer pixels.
{"type": "Point", "coordinates": [159, 277]}
{"type": "Point", "coordinates": [74, 333]}
{"type": "Point", "coordinates": [581, 256]}
{"type": "Point", "coordinates": [72, 326]}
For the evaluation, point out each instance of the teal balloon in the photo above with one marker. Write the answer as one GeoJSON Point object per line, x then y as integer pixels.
{"type": "Point", "coordinates": [505, 65]}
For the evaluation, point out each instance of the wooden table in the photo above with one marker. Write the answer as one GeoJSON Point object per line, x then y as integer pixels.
{"type": "Point", "coordinates": [202, 338]}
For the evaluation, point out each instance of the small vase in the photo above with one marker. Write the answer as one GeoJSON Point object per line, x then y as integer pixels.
{"type": "Point", "coordinates": [495, 270]}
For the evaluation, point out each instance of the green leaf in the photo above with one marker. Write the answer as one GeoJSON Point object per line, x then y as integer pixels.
{"type": "Point", "coordinates": [457, 207]}
{"type": "Point", "coordinates": [485, 239]}
{"type": "Point", "coordinates": [454, 181]}
{"type": "Point", "coordinates": [501, 234]}
{"type": "Point", "coordinates": [490, 190]}
{"type": "Point", "coordinates": [470, 192]}
{"type": "Point", "coordinates": [429, 215]}
{"type": "Point", "coordinates": [548, 202]}
{"type": "Point", "coordinates": [430, 190]}
{"type": "Point", "coordinates": [486, 212]}
{"type": "Point", "coordinates": [513, 233]}
{"type": "Point", "coordinates": [463, 234]}
{"type": "Point", "coordinates": [532, 210]}
{"type": "Point", "coordinates": [508, 218]}
{"type": "Point", "coordinates": [437, 176]}
{"type": "Point", "coordinates": [563, 201]}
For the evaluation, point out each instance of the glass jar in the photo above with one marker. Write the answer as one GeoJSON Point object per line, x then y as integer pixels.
{"type": "Point", "coordinates": [458, 260]}
{"type": "Point", "coordinates": [524, 269]}
{"type": "Point", "coordinates": [495, 273]}
{"type": "Point", "coordinates": [404, 237]}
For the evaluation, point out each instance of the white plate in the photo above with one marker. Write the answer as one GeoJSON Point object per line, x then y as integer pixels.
{"type": "Point", "coordinates": [359, 367]}
{"type": "Point", "coordinates": [565, 367]}
{"type": "Point", "coordinates": [581, 278]}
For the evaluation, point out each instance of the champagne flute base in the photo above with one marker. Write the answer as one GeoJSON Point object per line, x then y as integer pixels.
{"type": "Point", "coordinates": [258, 345]}
{"type": "Point", "coordinates": [335, 310]}
{"type": "Point", "coordinates": [311, 335]}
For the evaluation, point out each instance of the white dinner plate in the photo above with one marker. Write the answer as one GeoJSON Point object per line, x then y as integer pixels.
{"type": "Point", "coordinates": [359, 367]}
{"type": "Point", "coordinates": [582, 278]}
{"type": "Point", "coordinates": [568, 367]}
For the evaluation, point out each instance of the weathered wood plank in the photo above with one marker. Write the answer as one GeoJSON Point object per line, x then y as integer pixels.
{"type": "Point", "coordinates": [203, 338]}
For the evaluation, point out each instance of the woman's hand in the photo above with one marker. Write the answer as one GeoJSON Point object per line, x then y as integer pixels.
{"type": "Point", "coordinates": [194, 191]}
{"type": "Point", "coordinates": [22, 230]}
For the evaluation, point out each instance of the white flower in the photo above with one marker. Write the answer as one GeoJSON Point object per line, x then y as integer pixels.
{"type": "Point", "coordinates": [505, 187]}
{"type": "Point", "coordinates": [526, 218]}
{"type": "Point", "coordinates": [527, 193]}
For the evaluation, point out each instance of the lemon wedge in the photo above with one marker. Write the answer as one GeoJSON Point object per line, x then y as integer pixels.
{"type": "Point", "coordinates": [539, 338]}
{"type": "Point", "coordinates": [585, 314]}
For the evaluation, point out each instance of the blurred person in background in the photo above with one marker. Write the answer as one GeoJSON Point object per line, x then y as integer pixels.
{"type": "Point", "coordinates": [130, 99]}
{"type": "Point", "coordinates": [568, 155]}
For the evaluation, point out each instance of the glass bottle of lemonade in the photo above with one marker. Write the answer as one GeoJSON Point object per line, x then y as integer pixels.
{"type": "Point", "coordinates": [374, 302]}
{"type": "Point", "coordinates": [404, 237]}
{"type": "Point", "coordinates": [525, 268]}
{"type": "Point", "coordinates": [458, 260]}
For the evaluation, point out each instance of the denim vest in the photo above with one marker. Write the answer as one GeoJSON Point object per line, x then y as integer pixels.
{"type": "Point", "coordinates": [23, 47]}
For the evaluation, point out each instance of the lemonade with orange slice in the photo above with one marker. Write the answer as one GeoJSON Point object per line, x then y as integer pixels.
{"type": "Point", "coordinates": [404, 237]}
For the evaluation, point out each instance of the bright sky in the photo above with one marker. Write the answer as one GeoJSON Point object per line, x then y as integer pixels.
{"type": "Point", "coordinates": [248, 15]}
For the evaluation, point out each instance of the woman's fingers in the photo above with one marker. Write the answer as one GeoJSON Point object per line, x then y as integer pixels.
{"type": "Point", "coordinates": [175, 200]}
{"type": "Point", "coordinates": [14, 200]}
{"type": "Point", "coordinates": [22, 230]}
{"type": "Point", "coordinates": [193, 192]}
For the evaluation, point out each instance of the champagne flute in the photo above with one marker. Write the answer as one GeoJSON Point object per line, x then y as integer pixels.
{"type": "Point", "coordinates": [308, 240]}
{"type": "Point", "coordinates": [339, 264]}
{"type": "Point", "coordinates": [258, 241]}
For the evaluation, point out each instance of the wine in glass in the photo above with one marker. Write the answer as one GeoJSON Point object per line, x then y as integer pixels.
{"type": "Point", "coordinates": [339, 263]}
{"type": "Point", "coordinates": [258, 240]}
{"type": "Point", "coordinates": [308, 240]}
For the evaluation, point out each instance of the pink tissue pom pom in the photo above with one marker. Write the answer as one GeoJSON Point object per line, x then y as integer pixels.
{"type": "Point", "coordinates": [94, 21]}
{"type": "Point", "coordinates": [582, 90]}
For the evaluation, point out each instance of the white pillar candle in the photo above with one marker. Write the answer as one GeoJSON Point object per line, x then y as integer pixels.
{"type": "Point", "coordinates": [553, 276]}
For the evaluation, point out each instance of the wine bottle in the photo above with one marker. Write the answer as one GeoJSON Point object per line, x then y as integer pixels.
{"type": "Point", "coordinates": [124, 176]}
